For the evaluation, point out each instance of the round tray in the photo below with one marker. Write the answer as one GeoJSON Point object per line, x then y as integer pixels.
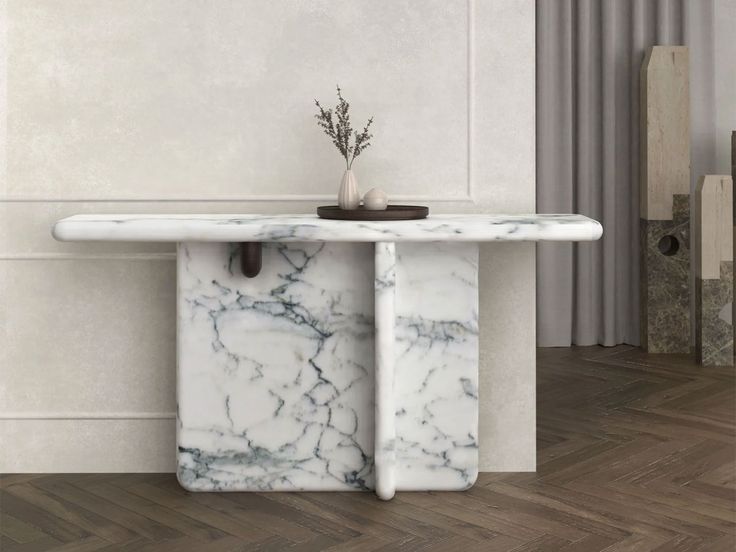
{"type": "Point", "coordinates": [392, 212]}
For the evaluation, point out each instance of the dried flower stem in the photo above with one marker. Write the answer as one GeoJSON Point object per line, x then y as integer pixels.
{"type": "Point", "coordinates": [341, 132]}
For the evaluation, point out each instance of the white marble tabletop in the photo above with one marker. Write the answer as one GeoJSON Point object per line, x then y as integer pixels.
{"type": "Point", "coordinates": [299, 228]}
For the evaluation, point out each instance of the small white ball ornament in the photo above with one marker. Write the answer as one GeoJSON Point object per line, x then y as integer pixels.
{"type": "Point", "coordinates": [375, 200]}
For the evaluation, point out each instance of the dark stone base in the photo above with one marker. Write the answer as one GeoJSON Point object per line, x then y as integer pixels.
{"type": "Point", "coordinates": [713, 333]}
{"type": "Point", "coordinates": [665, 281]}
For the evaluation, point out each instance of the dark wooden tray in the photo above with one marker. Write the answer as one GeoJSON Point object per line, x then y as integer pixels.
{"type": "Point", "coordinates": [392, 212]}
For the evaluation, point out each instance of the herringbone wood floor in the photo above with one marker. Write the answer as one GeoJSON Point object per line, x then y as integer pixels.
{"type": "Point", "coordinates": [636, 452]}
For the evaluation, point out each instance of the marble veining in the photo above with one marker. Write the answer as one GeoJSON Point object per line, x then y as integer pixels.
{"type": "Point", "coordinates": [275, 375]}
{"type": "Point", "coordinates": [288, 381]}
{"type": "Point", "coordinates": [436, 359]}
{"type": "Point", "coordinates": [239, 228]}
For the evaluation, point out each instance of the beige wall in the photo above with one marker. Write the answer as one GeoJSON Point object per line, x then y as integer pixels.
{"type": "Point", "coordinates": [185, 106]}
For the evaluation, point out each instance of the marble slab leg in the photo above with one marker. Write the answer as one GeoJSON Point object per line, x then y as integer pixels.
{"type": "Point", "coordinates": [436, 366]}
{"type": "Point", "coordinates": [385, 442]}
{"type": "Point", "coordinates": [275, 373]}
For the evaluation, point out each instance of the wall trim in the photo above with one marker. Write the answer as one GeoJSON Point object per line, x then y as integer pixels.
{"type": "Point", "coordinates": [89, 257]}
{"type": "Point", "coordinates": [3, 94]}
{"type": "Point", "coordinates": [469, 196]}
{"type": "Point", "coordinates": [87, 415]}
{"type": "Point", "coordinates": [470, 32]}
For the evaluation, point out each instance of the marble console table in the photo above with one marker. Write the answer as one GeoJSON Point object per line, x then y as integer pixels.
{"type": "Point", "coordinates": [349, 362]}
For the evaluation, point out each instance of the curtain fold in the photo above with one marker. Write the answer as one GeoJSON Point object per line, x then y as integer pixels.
{"type": "Point", "coordinates": [589, 53]}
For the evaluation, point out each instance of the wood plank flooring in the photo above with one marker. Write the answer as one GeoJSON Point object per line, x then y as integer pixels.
{"type": "Point", "coordinates": [636, 452]}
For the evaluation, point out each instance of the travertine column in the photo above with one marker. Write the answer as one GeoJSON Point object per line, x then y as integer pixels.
{"type": "Point", "coordinates": [713, 244]}
{"type": "Point", "coordinates": [665, 201]}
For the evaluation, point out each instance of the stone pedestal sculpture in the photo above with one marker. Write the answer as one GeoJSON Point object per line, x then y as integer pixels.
{"type": "Point", "coordinates": [665, 201]}
{"type": "Point", "coordinates": [713, 245]}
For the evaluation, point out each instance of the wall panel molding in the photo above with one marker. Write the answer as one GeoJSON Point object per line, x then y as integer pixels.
{"type": "Point", "coordinates": [88, 445]}
{"type": "Point", "coordinates": [87, 415]}
{"type": "Point", "coordinates": [468, 195]}
{"type": "Point", "coordinates": [89, 257]}
{"type": "Point", "coordinates": [470, 190]}
{"type": "Point", "coordinates": [115, 319]}
{"type": "Point", "coordinates": [3, 95]}
{"type": "Point", "coordinates": [469, 198]}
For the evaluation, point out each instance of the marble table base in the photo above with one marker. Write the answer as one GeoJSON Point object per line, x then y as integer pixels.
{"type": "Point", "coordinates": [341, 366]}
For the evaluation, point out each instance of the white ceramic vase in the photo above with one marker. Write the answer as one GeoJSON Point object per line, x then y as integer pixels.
{"type": "Point", "coordinates": [348, 197]}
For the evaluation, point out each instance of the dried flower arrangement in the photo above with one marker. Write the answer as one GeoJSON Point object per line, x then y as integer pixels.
{"type": "Point", "coordinates": [341, 132]}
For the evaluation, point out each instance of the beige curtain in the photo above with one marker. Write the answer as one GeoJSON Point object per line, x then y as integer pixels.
{"type": "Point", "coordinates": [588, 57]}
